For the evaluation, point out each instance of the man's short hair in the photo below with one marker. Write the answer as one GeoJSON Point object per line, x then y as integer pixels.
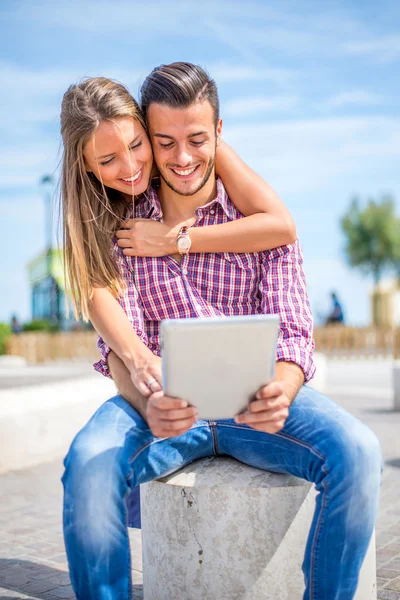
{"type": "Point", "coordinates": [179, 85]}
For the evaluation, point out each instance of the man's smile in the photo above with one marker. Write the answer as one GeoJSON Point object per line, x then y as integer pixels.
{"type": "Point", "coordinates": [184, 173]}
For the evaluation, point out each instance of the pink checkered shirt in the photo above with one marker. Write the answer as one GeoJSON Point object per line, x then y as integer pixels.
{"type": "Point", "coordinates": [209, 285]}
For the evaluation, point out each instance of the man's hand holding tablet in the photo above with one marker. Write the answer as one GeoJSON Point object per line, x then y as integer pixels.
{"type": "Point", "coordinates": [218, 365]}
{"type": "Point", "coordinates": [268, 411]}
{"type": "Point", "coordinates": [169, 417]}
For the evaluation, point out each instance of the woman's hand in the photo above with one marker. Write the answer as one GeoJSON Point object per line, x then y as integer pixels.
{"type": "Point", "coordinates": [146, 237]}
{"type": "Point", "coordinates": [145, 373]}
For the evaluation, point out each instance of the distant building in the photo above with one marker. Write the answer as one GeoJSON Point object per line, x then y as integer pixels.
{"type": "Point", "coordinates": [46, 279]}
{"type": "Point", "coordinates": [385, 303]}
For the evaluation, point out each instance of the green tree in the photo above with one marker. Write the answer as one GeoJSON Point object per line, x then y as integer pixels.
{"type": "Point", "coordinates": [5, 332]}
{"type": "Point", "coordinates": [396, 261]}
{"type": "Point", "coordinates": [372, 236]}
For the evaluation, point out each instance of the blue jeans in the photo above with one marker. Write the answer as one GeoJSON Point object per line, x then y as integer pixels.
{"type": "Point", "coordinates": [320, 442]}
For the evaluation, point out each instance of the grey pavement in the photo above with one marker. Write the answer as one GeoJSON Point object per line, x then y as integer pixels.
{"type": "Point", "coordinates": [20, 375]}
{"type": "Point", "coordinates": [32, 556]}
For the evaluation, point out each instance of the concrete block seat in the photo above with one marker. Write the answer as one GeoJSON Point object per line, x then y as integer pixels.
{"type": "Point", "coordinates": [221, 530]}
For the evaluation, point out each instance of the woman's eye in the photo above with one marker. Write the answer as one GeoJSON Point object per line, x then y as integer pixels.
{"type": "Point", "coordinates": [107, 162]}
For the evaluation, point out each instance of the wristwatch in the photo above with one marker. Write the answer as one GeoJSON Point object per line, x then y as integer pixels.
{"type": "Point", "coordinates": [183, 241]}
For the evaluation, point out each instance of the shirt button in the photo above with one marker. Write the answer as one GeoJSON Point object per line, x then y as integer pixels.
{"type": "Point", "coordinates": [212, 211]}
{"type": "Point", "coordinates": [184, 270]}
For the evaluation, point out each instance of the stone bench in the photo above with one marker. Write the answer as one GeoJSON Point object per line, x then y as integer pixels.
{"type": "Point", "coordinates": [220, 530]}
{"type": "Point", "coordinates": [38, 421]}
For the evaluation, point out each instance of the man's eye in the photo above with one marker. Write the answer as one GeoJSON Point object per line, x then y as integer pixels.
{"type": "Point", "coordinates": [198, 143]}
{"type": "Point", "coordinates": [107, 162]}
{"type": "Point", "coordinates": [166, 145]}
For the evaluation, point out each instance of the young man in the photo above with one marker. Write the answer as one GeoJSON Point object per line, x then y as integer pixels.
{"type": "Point", "coordinates": [288, 427]}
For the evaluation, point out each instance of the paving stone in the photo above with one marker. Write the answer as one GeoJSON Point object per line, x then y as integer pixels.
{"type": "Point", "coordinates": [38, 586]}
{"type": "Point", "coordinates": [63, 592]}
{"type": "Point", "coordinates": [387, 573]}
{"type": "Point", "coordinates": [137, 591]}
{"type": "Point", "coordinates": [393, 585]}
{"type": "Point", "coordinates": [42, 573]}
{"type": "Point", "coordinates": [388, 595]}
{"type": "Point", "coordinates": [60, 579]}
{"type": "Point", "coordinates": [394, 564]}
{"type": "Point", "coordinates": [6, 594]}
{"type": "Point", "coordinates": [15, 578]}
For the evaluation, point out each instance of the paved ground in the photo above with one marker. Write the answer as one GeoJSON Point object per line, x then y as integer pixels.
{"type": "Point", "coordinates": [19, 375]}
{"type": "Point", "coordinates": [32, 557]}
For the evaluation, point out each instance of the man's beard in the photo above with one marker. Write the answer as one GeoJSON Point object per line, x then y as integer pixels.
{"type": "Point", "coordinates": [202, 183]}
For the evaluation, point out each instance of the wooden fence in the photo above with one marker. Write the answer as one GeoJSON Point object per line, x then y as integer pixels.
{"type": "Point", "coordinates": [39, 347]}
{"type": "Point", "coordinates": [334, 341]}
{"type": "Point", "coordinates": [358, 342]}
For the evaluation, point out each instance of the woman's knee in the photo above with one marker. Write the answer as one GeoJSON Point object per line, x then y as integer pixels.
{"type": "Point", "coordinates": [93, 454]}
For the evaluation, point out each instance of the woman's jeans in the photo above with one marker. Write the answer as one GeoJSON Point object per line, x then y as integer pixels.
{"type": "Point", "coordinates": [320, 442]}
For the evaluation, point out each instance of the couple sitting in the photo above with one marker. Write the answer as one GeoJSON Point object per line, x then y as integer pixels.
{"type": "Point", "coordinates": [209, 238]}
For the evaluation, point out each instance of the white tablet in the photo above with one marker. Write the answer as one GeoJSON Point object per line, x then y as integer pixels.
{"type": "Point", "coordinates": [218, 364]}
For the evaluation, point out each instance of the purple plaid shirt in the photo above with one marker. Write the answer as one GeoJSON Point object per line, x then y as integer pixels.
{"type": "Point", "coordinates": [210, 285]}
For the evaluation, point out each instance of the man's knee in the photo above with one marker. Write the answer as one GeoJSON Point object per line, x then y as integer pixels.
{"type": "Point", "coordinates": [358, 455]}
{"type": "Point", "coordinates": [350, 446]}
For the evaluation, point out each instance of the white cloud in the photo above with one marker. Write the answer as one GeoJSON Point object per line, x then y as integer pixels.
{"type": "Point", "coordinates": [235, 73]}
{"type": "Point", "coordinates": [242, 107]}
{"type": "Point", "coordinates": [379, 50]}
{"type": "Point", "coordinates": [20, 168]}
{"type": "Point", "coordinates": [357, 98]}
{"type": "Point", "coordinates": [245, 27]}
{"type": "Point", "coordinates": [308, 156]}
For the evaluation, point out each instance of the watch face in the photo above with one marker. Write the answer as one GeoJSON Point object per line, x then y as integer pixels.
{"type": "Point", "coordinates": [183, 244]}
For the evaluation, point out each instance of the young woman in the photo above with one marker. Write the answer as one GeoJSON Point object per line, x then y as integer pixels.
{"type": "Point", "coordinates": [99, 120]}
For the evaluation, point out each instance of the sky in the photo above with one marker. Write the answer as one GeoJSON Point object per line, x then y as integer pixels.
{"type": "Point", "coordinates": [309, 97]}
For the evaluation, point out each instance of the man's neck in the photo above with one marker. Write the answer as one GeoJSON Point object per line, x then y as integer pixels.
{"type": "Point", "coordinates": [178, 209]}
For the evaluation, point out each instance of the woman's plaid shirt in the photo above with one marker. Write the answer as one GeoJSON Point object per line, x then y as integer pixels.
{"type": "Point", "coordinates": [209, 285]}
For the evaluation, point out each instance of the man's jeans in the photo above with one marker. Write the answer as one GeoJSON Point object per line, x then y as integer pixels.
{"type": "Point", "coordinates": [320, 442]}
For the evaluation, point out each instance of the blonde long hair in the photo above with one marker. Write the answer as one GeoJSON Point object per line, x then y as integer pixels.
{"type": "Point", "coordinates": [90, 212]}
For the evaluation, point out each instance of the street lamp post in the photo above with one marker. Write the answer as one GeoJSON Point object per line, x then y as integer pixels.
{"type": "Point", "coordinates": [47, 184]}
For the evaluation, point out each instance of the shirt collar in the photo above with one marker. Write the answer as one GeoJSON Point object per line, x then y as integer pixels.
{"type": "Point", "coordinates": [222, 199]}
{"type": "Point", "coordinates": [149, 207]}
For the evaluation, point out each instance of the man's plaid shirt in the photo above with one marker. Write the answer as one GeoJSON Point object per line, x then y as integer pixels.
{"type": "Point", "coordinates": [210, 285]}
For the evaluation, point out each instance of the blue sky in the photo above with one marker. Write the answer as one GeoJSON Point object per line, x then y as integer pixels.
{"type": "Point", "coordinates": [309, 95]}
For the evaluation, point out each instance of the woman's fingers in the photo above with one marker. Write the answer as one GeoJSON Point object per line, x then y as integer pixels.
{"type": "Point", "coordinates": [146, 383]}
{"type": "Point", "coordinates": [142, 387]}
{"type": "Point", "coordinates": [147, 379]}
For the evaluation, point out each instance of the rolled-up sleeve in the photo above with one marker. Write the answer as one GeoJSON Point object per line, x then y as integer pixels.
{"type": "Point", "coordinates": [283, 291]}
{"type": "Point", "coordinates": [131, 304]}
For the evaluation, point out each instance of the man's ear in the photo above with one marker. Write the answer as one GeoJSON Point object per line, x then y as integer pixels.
{"type": "Point", "coordinates": [219, 130]}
